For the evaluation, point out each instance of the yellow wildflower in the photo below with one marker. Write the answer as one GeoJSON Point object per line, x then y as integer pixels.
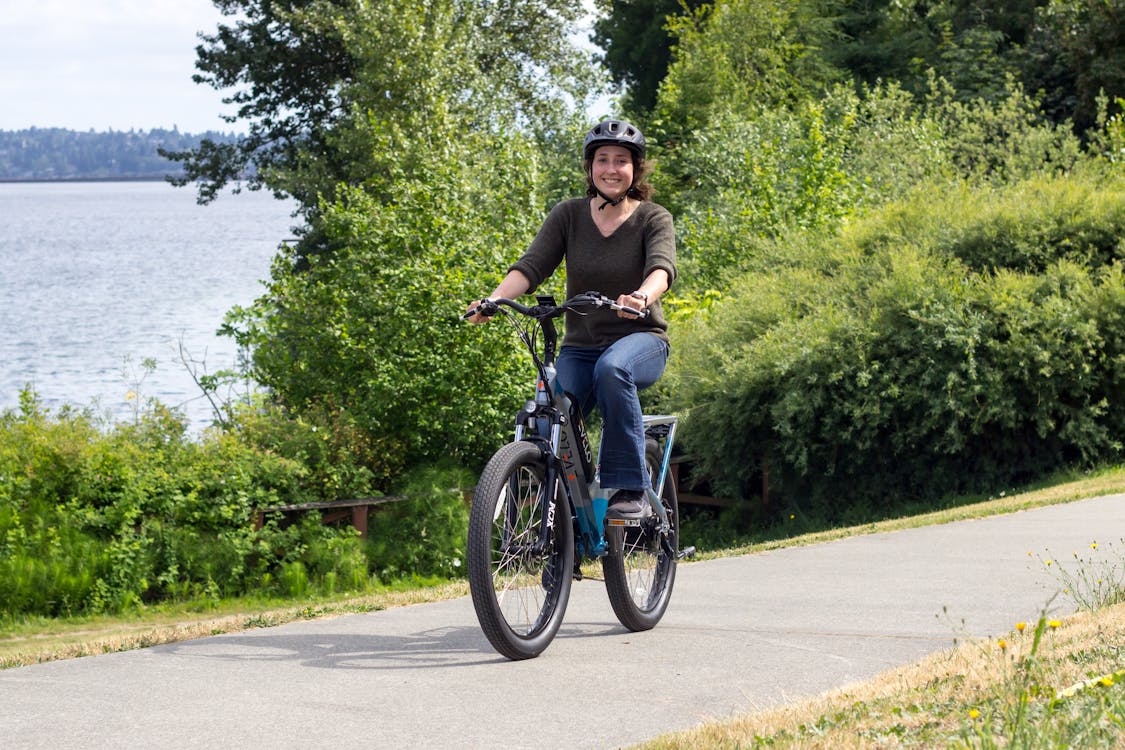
{"type": "Point", "coordinates": [1020, 626]}
{"type": "Point", "coordinates": [974, 714]}
{"type": "Point", "coordinates": [1053, 624]}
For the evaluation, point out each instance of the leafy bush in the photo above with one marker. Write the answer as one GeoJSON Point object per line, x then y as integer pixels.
{"type": "Point", "coordinates": [749, 177]}
{"type": "Point", "coordinates": [1040, 221]}
{"type": "Point", "coordinates": [104, 520]}
{"type": "Point", "coordinates": [877, 367]}
{"type": "Point", "coordinates": [1025, 227]}
{"type": "Point", "coordinates": [370, 336]}
{"type": "Point", "coordinates": [425, 534]}
{"type": "Point", "coordinates": [338, 458]}
{"type": "Point", "coordinates": [746, 181]}
{"type": "Point", "coordinates": [896, 143]}
{"type": "Point", "coordinates": [1002, 140]}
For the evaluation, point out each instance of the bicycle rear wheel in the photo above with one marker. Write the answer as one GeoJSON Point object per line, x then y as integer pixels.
{"type": "Point", "coordinates": [640, 566]}
{"type": "Point", "coordinates": [520, 582]}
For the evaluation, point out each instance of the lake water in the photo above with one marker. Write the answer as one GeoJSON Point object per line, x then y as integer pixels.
{"type": "Point", "coordinates": [95, 277]}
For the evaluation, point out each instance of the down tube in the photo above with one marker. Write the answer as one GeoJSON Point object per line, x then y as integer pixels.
{"type": "Point", "coordinates": [590, 512]}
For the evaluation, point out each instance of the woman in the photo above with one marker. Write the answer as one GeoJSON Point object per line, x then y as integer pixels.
{"type": "Point", "coordinates": [615, 241]}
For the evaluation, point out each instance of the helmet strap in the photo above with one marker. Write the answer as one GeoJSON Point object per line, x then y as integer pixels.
{"type": "Point", "coordinates": [612, 201]}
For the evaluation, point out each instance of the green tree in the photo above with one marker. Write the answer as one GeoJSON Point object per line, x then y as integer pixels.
{"type": "Point", "coordinates": [742, 55]}
{"type": "Point", "coordinates": [1064, 51]}
{"type": "Point", "coordinates": [753, 180]}
{"type": "Point", "coordinates": [368, 339]}
{"type": "Point", "coordinates": [636, 44]}
{"type": "Point", "coordinates": [308, 75]}
{"type": "Point", "coordinates": [1076, 52]}
{"type": "Point", "coordinates": [974, 45]}
{"type": "Point", "coordinates": [423, 147]}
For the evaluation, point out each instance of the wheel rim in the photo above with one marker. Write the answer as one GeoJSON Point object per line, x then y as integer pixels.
{"type": "Point", "coordinates": [523, 573]}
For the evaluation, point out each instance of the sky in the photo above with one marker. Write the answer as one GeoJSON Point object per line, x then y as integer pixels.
{"type": "Point", "coordinates": [102, 64]}
{"type": "Point", "coordinates": [107, 64]}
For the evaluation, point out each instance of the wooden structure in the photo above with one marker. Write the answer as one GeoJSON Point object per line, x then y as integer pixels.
{"type": "Point", "coordinates": [354, 510]}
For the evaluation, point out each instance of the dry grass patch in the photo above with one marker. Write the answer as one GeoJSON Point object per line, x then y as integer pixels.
{"type": "Point", "coordinates": [1051, 684]}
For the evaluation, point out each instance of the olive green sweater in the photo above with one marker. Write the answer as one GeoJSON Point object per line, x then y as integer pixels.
{"type": "Point", "coordinates": [613, 265]}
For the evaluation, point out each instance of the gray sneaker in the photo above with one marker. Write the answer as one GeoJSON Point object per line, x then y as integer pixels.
{"type": "Point", "coordinates": [627, 504]}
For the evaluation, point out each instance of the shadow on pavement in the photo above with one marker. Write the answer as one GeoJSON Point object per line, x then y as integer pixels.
{"type": "Point", "coordinates": [444, 647]}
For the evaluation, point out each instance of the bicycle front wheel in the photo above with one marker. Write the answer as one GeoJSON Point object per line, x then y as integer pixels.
{"type": "Point", "coordinates": [640, 567]}
{"type": "Point", "coordinates": [520, 557]}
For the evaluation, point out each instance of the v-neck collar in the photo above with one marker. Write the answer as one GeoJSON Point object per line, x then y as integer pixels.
{"type": "Point", "coordinates": [590, 209]}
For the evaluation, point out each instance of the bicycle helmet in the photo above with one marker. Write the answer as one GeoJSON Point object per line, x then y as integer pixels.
{"type": "Point", "coordinates": [614, 133]}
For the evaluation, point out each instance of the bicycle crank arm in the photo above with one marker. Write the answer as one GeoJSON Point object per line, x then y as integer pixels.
{"type": "Point", "coordinates": [666, 547]}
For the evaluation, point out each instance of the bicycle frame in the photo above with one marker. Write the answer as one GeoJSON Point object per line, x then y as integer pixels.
{"type": "Point", "coordinates": [539, 508]}
{"type": "Point", "coordinates": [555, 423]}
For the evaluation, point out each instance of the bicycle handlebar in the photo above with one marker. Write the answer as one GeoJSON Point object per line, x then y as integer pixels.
{"type": "Point", "coordinates": [489, 307]}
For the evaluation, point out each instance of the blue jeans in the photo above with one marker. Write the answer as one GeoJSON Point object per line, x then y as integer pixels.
{"type": "Point", "coordinates": [610, 377]}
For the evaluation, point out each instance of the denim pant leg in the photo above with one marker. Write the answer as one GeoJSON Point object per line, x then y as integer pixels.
{"type": "Point", "coordinates": [575, 368]}
{"type": "Point", "coordinates": [612, 377]}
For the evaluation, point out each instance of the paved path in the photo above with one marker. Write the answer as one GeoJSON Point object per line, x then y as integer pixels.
{"type": "Point", "coordinates": [741, 634]}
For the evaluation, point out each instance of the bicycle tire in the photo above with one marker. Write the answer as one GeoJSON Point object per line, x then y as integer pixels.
{"type": "Point", "coordinates": [639, 571]}
{"type": "Point", "coordinates": [519, 588]}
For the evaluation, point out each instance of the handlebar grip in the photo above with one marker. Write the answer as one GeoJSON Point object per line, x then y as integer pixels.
{"type": "Point", "coordinates": [487, 308]}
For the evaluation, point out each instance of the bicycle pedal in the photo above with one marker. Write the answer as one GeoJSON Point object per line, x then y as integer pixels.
{"type": "Point", "coordinates": [686, 552]}
{"type": "Point", "coordinates": [623, 522]}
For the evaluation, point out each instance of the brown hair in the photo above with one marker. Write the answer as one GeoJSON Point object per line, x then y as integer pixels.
{"type": "Point", "coordinates": [640, 189]}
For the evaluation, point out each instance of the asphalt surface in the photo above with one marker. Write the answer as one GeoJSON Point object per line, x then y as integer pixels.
{"type": "Point", "coordinates": [741, 634]}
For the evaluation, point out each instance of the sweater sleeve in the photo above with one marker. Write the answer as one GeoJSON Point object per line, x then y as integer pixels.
{"type": "Point", "coordinates": [548, 248]}
{"type": "Point", "coordinates": [660, 243]}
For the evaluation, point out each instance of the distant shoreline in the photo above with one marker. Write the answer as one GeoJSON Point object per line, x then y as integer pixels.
{"type": "Point", "coordinates": [43, 155]}
{"type": "Point", "coordinates": [17, 180]}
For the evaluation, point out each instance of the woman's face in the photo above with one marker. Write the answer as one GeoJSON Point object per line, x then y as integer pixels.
{"type": "Point", "coordinates": [612, 170]}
